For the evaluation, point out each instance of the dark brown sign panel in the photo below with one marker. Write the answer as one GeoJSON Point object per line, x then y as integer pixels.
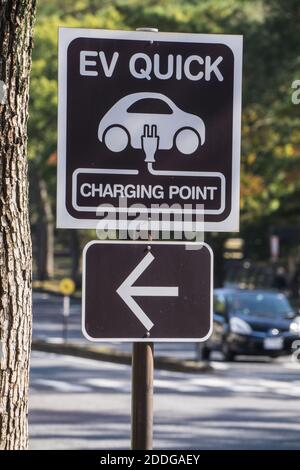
{"type": "Point", "coordinates": [147, 290]}
{"type": "Point", "coordinates": [150, 118]}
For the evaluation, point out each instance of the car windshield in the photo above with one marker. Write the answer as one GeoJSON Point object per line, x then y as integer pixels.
{"type": "Point", "coordinates": [150, 106]}
{"type": "Point", "coordinates": [259, 304]}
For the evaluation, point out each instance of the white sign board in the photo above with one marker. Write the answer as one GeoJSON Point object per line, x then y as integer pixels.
{"type": "Point", "coordinates": [149, 124]}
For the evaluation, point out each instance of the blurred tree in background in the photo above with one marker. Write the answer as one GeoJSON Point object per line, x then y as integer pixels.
{"type": "Point", "coordinates": [270, 183]}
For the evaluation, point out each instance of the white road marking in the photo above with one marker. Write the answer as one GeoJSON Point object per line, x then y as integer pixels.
{"type": "Point", "coordinates": [61, 386]}
{"type": "Point", "coordinates": [109, 383]}
{"type": "Point", "coordinates": [218, 365]}
{"type": "Point", "coordinates": [173, 381]}
{"type": "Point", "coordinates": [292, 365]}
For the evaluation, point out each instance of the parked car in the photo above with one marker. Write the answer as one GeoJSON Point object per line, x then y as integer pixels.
{"type": "Point", "coordinates": [252, 322]}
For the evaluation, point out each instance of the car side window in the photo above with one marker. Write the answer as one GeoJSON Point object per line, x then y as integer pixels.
{"type": "Point", "coordinates": [220, 304]}
{"type": "Point", "coordinates": [150, 106]}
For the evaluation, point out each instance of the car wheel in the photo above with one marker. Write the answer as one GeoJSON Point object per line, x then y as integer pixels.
{"type": "Point", "coordinates": [187, 141]}
{"type": "Point", "coordinates": [274, 356]}
{"type": "Point", "coordinates": [229, 355]}
{"type": "Point", "coordinates": [205, 353]}
{"type": "Point", "coordinates": [116, 139]}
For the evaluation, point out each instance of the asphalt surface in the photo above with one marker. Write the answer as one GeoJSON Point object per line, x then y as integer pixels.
{"type": "Point", "coordinates": [48, 325]}
{"type": "Point", "coordinates": [79, 403]}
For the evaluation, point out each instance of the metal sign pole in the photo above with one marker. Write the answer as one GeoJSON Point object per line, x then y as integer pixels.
{"type": "Point", "coordinates": [142, 391]}
{"type": "Point", "coordinates": [142, 396]}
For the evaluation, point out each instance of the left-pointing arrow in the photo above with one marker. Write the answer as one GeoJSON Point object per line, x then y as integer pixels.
{"type": "Point", "coordinates": [126, 291]}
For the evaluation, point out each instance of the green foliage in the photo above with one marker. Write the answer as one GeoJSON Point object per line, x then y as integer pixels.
{"type": "Point", "coordinates": [270, 185]}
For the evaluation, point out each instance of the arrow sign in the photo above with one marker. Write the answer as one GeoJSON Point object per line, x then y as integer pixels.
{"type": "Point", "coordinates": [126, 291]}
{"type": "Point", "coordinates": [115, 279]}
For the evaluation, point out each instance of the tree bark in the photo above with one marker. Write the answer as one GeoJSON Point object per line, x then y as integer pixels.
{"type": "Point", "coordinates": [16, 23]}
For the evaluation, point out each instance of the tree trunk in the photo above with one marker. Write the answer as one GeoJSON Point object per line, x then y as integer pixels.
{"type": "Point", "coordinates": [16, 22]}
{"type": "Point", "coordinates": [45, 233]}
{"type": "Point", "coordinates": [216, 242]}
{"type": "Point", "coordinates": [75, 255]}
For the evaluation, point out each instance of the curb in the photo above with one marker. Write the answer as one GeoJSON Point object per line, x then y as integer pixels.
{"type": "Point", "coordinates": [41, 290]}
{"type": "Point", "coordinates": [119, 357]}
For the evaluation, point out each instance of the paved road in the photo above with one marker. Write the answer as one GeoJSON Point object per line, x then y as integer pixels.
{"type": "Point", "coordinates": [48, 325]}
{"type": "Point", "coordinates": [84, 404]}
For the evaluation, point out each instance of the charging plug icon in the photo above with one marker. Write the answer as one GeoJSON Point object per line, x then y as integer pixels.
{"type": "Point", "coordinates": [150, 142]}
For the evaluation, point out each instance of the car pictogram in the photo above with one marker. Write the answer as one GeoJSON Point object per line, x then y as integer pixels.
{"type": "Point", "coordinates": [141, 116]}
